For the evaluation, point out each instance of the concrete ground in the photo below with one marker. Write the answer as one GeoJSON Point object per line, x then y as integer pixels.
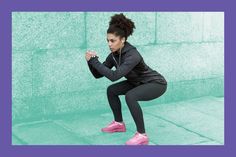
{"type": "Point", "coordinates": [192, 122]}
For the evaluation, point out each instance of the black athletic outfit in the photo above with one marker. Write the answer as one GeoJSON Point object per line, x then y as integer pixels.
{"type": "Point", "coordinates": [142, 82]}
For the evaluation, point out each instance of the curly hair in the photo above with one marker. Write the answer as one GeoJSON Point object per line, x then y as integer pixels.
{"type": "Point", "coordinates": [121, 26]}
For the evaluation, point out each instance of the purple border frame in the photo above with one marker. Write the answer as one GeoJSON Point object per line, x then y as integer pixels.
{"type": "Point", "coordinates": [8, 6]}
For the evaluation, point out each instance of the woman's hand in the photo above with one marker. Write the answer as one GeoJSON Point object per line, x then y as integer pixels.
{"type": "Point", "coordinates": [87, 56]}
{"type": "Point", "coordinates": [90, 54]}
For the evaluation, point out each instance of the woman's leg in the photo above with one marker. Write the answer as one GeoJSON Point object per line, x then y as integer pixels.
{"type": "Point", "coordinates": [143, 92]}
{"type": "Point", "coordinates": [113, 92]}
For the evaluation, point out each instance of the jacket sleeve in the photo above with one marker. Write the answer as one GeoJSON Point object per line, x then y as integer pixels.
{"type": "Point", "coordinates": [108, 63]}
{"type": "Point", "coordinates": [131, 60]}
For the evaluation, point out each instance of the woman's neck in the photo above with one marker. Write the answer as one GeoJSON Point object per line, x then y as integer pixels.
{"type": "Point", "coordinates": [119, 51]}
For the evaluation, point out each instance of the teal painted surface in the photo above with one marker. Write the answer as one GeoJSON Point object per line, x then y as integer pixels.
{"type": "Point", "coordinates": [51, 79]}
{"type": "Point", "coordinates": [193, 122]}
{"type": "Point", "coordinates": [47, 30]}
{"type": "Point", "coordinates": [179, 27]}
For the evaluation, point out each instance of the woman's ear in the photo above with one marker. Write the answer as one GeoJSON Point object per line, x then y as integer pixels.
{"type": "Point", "coordinates": [123, 40]}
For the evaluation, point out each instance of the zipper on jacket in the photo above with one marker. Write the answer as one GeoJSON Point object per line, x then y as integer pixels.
{"type": "Point", "coordinates": [115, 59]}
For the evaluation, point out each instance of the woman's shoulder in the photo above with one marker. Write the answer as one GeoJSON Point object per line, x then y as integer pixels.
{"type": "Point", "coordinates": [134, 54]}
{"type": "Point", "coordinates": [133, 50]}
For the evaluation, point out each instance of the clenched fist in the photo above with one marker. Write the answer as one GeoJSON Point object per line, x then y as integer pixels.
{"type": "Point", "coordinates": [90, 54]}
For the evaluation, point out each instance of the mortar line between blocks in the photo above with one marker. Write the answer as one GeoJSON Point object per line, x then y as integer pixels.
{"type": "Point", "coordinates": [184, 128]}
{"type": "Point", "coordinates": [23, 142]}
{"type": "Point", "coordinates": [71, 131]}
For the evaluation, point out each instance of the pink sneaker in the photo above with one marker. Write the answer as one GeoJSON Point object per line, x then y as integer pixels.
{"type": "Point", "coordinates": [115, 127]}
{"type": "Point", "coordinates": [138, 139]}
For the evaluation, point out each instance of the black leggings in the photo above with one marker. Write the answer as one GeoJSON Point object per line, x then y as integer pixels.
{"type": "Point", "coordinates": [133, 94]}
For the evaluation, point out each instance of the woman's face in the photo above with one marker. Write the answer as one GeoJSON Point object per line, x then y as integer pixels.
{"type": "Point", "coordinates": [114, 42]}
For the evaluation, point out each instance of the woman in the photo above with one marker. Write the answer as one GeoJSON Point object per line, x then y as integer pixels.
{"type": "Point", "coordinates": [142, 82]}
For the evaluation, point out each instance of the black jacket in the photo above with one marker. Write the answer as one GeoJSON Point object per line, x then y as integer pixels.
{"type": "Point", "coordinates": [129, 64]}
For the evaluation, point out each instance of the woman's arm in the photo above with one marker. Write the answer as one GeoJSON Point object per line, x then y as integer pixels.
{"type": "Point", "coordinates": [129, 63]}
{"type": "Point", "coordinates": [107, 63]}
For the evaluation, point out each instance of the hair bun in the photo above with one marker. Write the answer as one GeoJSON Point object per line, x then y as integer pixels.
{"type": "Point", "coordinates": [120, 21]}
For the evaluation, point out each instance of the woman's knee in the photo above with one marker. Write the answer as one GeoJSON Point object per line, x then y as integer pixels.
{"type": "Point", "coordinates": [129, 96]}
{"type": "Point", "coordinates": [111, 89]}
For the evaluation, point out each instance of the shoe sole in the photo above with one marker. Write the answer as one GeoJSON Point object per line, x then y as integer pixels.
{"type": "Point", "coordinates": [113, 131]}
{"type": "Point", "coordinates": [142, 143]}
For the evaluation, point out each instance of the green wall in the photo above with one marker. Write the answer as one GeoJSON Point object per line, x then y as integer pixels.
{"type": "Point", "coordinates": [50, 76]}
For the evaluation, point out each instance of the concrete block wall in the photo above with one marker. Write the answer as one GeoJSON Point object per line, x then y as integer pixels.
{"type": "Point", "coordinates": [50, 75]}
